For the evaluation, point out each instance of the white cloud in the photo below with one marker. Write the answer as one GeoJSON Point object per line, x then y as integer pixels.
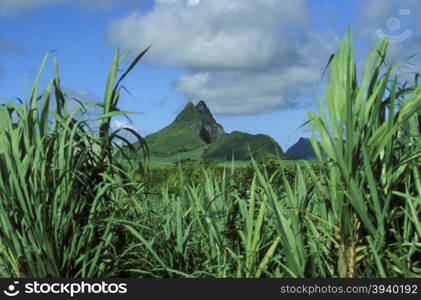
{"type": "Point", "coordinates": [119, 124]}
{"type": "Point", "coordinates": [75, 97]}
{"type": "Point", "coordinates": [240, 56]}
{"type": "Point", "coordinates": [209, 34]}
{"type": "Point", "coordinates": [240, 92]}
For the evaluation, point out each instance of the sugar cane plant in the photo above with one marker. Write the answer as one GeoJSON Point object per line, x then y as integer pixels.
{"type": "Point", "coordinates": [371, 139]}
{"type": "Point", "coordinates": [57, 191]}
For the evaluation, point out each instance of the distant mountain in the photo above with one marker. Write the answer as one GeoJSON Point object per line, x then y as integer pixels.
{"type": "Point", "coordinates": [301, 150]}
{"type": "Point", "coordinates": [195, 134]}
{"type": "Point", "coordinates": [239, 144]}
{"type": "Point", "coordinates": [200, 120]}
{"type": "Point", "coordinates": [193, 127]}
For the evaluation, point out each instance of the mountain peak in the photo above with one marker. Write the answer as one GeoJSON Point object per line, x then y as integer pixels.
{"type": "Point", "coordinates": [302, 150]}
{"type": "Point", "coordinates": [197, 122]}
{"type": "Point", "coordinates": [189, 105]}
{"type": "Point", "coordinates": [201, 105]}
{"type": "Point", "coordinates": [192, 113]}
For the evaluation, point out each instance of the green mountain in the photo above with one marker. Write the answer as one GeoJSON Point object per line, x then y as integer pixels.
{"type": "Point", "coordinates": [239, 145]}
{"type": "Point", "coordinates": [194, 127]}
{"type": "Point", "coordinates": [195, 134]}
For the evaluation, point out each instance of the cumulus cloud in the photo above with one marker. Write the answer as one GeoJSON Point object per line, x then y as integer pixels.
{"type": "Point", "coordinates": [240, 56]}
{"type": "Point", "coordinates": [77, 97]}
{"type": "Point", "coordinates": [119, 124]}
{"type": "Point", "coordinates": [239, 92]}
{"type": "Point", "coordinates": [209, 34]}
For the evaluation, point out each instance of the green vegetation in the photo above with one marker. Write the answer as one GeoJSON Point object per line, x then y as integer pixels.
{"type": "Point", "coordinates": [173, 140]}
{"type": "Point", "coordinates": [71, 207]}
{"type": "Point", "coordinates": [195, 154]}
{"type": "Point", "coordinates": [239, 145]}
{"type": "Point", "coordinates": [60, 185]}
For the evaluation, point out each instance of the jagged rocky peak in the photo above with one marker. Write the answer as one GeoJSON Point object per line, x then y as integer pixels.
{"type": "Point", "coordinates": [210, 131]}
{"type": "Point", "coordinates": [199, 118]}
{"type": "Point", "coordinates": [204, 110]}
{"type": "Point", "coordinates": [201, 105]}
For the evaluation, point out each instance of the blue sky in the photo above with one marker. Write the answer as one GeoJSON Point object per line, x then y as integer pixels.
{"type": "Point", "coordinates": [256, 63]}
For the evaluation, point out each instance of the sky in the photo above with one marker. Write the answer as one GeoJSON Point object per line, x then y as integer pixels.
{"type": "Point", "coordinates": [257, 64]}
